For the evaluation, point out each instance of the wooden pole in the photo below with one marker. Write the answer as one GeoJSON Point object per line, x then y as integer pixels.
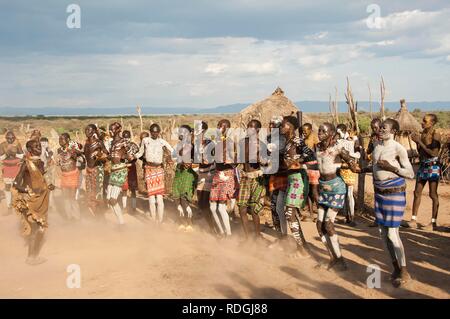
{"type": "Point", "coordinates": [336, 108]}
{"type": "Point", "coordinates": [370, 101]}
{"type": "Point", "coordinates": [139, 111]}
{"type": "Point", "coordinates": [300, 123]}
{"type": "Point", "coordinates": [353, 110]}
{"type": "Point", "coordinates": [383, 92]}
{"type": "Point", "coordinates": [332, 112]}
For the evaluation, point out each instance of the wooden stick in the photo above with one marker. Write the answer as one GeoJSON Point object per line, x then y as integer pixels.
{"type": "Point", "coordinates": [370, 101]}
{"type": "Point", "coordinates": [383, 92]}
{"type": "Point", "coordinates": [139, 111]}
{"type": "Point", "coordinates": [300, 123]}
{"type": "Point", "coordinates": [332, 112]}
{"type": "Point", "coordinates": [336, 108]}
{"type": "Point", "coordinates": [353, 110]}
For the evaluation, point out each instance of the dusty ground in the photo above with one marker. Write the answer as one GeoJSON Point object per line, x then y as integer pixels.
{"type": "Point", "coordinates": [146, 261]}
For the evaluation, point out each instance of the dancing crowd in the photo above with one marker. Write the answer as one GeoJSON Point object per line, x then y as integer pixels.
{"type": "Point", "coordinates": [291, 165]}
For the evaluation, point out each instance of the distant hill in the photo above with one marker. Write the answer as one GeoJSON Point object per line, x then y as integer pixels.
{"type": "Point", "coordinates": [305, 106]}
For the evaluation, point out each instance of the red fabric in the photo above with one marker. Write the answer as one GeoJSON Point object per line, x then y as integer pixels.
{"type": "Point", "coordinates": [11, 168]}
{"type": "Point", "coordinates": [223, 190]}
{"type": "Point", "coordinates": [70, 179]}
{"type": "Point", "coordinates": [154, 179]}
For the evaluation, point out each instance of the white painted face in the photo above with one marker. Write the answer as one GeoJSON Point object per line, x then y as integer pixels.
{"type": "Point", "coordinates": [341, 133]}
{"type": "Point", "coordinates": [386, 132]}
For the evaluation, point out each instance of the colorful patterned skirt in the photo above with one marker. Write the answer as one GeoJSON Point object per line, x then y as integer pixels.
{"type": "Point", "coordinates": [429, 170]}
{"type": "Point", "coordinates": [94, 185]}
{"type": "Point", "coordinates": [70, 180]}
{"type": "Point", "coordinates": [390, 201]}
{"type": "Point", "coordinates": [251, 193]}
{"type": "Point", "coordinates": [118, 175]}
{"type": "Point", "coordinates": [297, 189]}
{"type": "Point", "coordinates": [223, 185]}
{"type": "Point", "coordinates": [184, 184]}
{"type": "Point", "coordinates": [332, 193]}
{"type": "Point", "coordinates": [154, 180]}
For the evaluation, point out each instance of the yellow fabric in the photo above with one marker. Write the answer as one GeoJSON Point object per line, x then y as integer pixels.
{"type": "Point", "coordinates": [32, 206]}
{"type": "Point", "coordinates": [348, 176]}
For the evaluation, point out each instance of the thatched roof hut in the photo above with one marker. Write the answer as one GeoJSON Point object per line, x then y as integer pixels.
{"type": "Point", "coordinates": [407, 121]}
{"type": "Point", "coordinates": [275, 105]}
{"type": "Point", "coordinates": [408, 124]}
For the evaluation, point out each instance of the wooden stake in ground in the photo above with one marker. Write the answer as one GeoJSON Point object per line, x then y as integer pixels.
{"type": "Point", "coordinates": [139, 111]}
{"type": "Point", "coordinates": [382, 96]}
{"type": "Point", "coordinates": [370, 101]}
{"type": "Point", "coordinates": [336, 109]}
{"type": "Point", "coordinates": [353, 110]}
{"type": "Point", "coordinates": [330, 104]}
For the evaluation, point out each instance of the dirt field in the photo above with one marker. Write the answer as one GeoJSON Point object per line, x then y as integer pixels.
{"type": "Point", "coordinates": [147, 261]}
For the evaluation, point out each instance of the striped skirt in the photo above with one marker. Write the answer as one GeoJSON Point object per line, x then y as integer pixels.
{"type": "Point", "coordinates": [390, 201]}
{"type": "Point", "coordinates": [429, 170]}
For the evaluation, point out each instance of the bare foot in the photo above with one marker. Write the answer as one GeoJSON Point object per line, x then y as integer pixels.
{"type": "Point", "coordinates": [33, 261]}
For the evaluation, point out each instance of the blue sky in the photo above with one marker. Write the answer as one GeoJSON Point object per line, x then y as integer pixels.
{"type": "Point", "coordinates": [208, 53]}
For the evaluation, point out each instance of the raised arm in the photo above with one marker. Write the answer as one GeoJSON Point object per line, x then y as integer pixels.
{"type": "Point", "coordinates": [433, 149]}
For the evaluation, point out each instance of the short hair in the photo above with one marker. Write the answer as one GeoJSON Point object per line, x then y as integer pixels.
{"type": "Point", "coordinates": [144, 134]}
{"type": "Point", "coordinates": [66, 135]}
{"type": "Point", "coordinates": [433, 117]}
{"type": "Point", "coordinates": [115, 124]}
{"type": "Point", "coordinates": [342, 127]}
{"type": "Point", "coordinates": [224, 121]}
{"type": "Point", "coordinates": [330, 126]}
{"type": "Point", "coordinates": [44, 139]}
{"type": "Point", "coordinates": [308, 125]}
{"type": "Point", "coordinates": [126, 132]}
{"type": "Point", "coordinates": [154, 127]}
{"type": "Point", "coordinates": [258, 123]}
{"type": "Point", "coordinates": [29, 144]}
{"type": "Point", "coordinates": [291, 120]}
{"type": "Point", "coordinates": [92, 126]}
{"type": "Point", "coordinates": [394, 124]}
{"type": "Point", "coordinates": [187, 127]}
{"type": "Point", "coordinates": [376, 120]}
{"type": "Point", "coordinates": [204, 126]}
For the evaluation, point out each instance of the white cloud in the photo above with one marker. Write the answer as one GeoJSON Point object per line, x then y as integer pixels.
{"type": "Point", "coordinates": [319, 76]}
{"type": "Point", "coordinates": [133, 62]}
{"type": "Point", "coordinates": [266, 68]}
{"type": "Point", "coordinates": [317, 36]}
{"type": "Point", "coordinates": [215, 68]}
